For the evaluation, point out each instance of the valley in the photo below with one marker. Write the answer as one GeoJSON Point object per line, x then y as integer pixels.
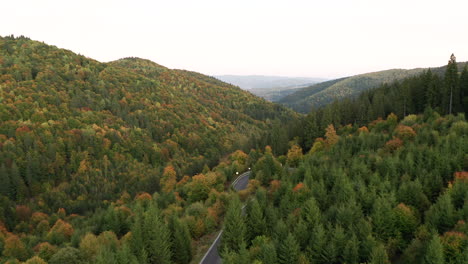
{"type": "Point", "coordinates": [129, 161]}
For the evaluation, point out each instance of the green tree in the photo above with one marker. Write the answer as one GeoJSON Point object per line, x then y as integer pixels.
{"type": "Point", "coordinates": [288, 250]}
{"type": "Point", "coordinates": [157, 238]}
{"type": "Point", "coordinates": [181, 241]}
{"type": "Point", "coordinates": [464, 89]}
{"type": "Point", "coordinates": [379, 255]}
{"type": "Point", "coordinates": [234, 226]}
{"type": "Point", "coordinates": [434, 251]}
{"type": "Point", "coordinates": [67, 255]}
{"type": "Point", "coordinates": [5, 187]}
{"type": "Point", "coordinates": [256, 224]}
{"type": "Point", "coordinates": [441, 215]}
{"type": "Point", "coordinates": [451, 85]}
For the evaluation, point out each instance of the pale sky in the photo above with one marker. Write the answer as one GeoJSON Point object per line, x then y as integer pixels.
{"type": "Point", "coordinates": [312, 38]}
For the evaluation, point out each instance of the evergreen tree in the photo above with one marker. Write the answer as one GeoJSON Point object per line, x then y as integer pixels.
{"type": "Point", "coordinates": [124, 255]}
{"type": "Point", "coordinates": [432, 94]}
{"type": "Point", "coordinates": [451, 94]}
{"type": "Point", "coordinates": [442, 214]}
{"type": "Point", "coordinates": [5, 186]}
{"type": "Point", "coordinates": [464, 90]}
{"type": "Point", "coordinates": [288, 250]}
{"type": "Point", "coordinates": [268, 253]}
{"type": "Point", "coordinates": [351, 250]}
{"type": "Point", "coordinates": [256, 225]}
{"type": "Point", "coordinates": [311, 130]}
{"type": "Point", "coordinates": [379, 255]}
{"type": "Point", "coordinates": [311, 215]}
{"type": "Point", "coordinates": [317, 245]}
{"type": "Point", "coordinates": [137, 243]}
{"type": "Point", "coordinates": [434, 251]}
{"type": "Point", "coordinates": [156, 236]}
{"type": "Point", "coordinates": [181, 241]}
{"type": "Point", "coordinates": [234, 226]}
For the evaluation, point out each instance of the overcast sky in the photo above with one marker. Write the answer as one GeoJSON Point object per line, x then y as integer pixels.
{"type": "Point", "coordinates": [311, 38]}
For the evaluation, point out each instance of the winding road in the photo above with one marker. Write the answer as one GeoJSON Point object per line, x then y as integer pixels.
{"type": "Point", "coordinates": [212, 255]}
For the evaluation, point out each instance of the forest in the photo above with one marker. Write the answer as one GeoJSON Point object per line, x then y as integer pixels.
{"type": "Point", "coordinates": [131, 162]}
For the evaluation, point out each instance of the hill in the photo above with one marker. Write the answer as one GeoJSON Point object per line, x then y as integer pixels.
{"type": "Point", "coordinates": [389, 192]}
{"type": "Point", "coordinates": [318, 95]}
{"type": "Point", "coordinates": [248, 82]}
{"type": "Point", "coordinates": [272, 88]}
{"type": "Point", "coordinates": [78, 134]}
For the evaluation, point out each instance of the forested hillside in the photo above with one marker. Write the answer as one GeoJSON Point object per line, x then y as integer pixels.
{"type": "Point", "coordinates": [390, 192]}
{"type": "Point", "coordinates": [381, 188]}
{"type": "Point", "coordinates": [321, 94]}
{"type": "Point", "coordinates": [445, 93]}
{"type": "Point", "coordinates": [81, 140]}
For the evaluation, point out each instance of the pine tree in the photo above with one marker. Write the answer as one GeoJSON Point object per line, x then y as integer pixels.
{"type": "Point", "coordinates": [442, 214]}
{"type": "Point", "coordinates": [234, 226]}
{"type": "Point", "coordinates": [317, 245]}
{"type": "Point", "coordinates": [432, 94]}
{"type": "Point", "coordinates": [156, 236]}
{"type": "Point", "coordinates": [181, 241]}
{"type": "Point", "coordinates": [137, 243]}
{"type": "Point", "coordinates": [464, 90]}
{"type": "Point", "coordinates": [256, 224]}
{"type": "Point", "coordinates": [451, 85]}
{"type": "Point", "coordinates": [268, 253]}
{"type": "Point", "coordinates": [379, 255]}
{"type": "Point", "coordinates": [288, 250]}
{"type": "Point", "coordinates": [351, 250]}
{"type": "Point", "coordinates": [434, 251]}
{"type": "Point", "coordinates": [311, 130]}
{"type": "Point", "coordinates": [5, 185]}
{"type": "Point", "coordinates": [124, 255]}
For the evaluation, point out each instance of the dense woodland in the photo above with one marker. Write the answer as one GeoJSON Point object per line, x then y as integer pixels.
{"type": "Point", "coordinates": [412, 95]}
{"type": "Point", "coordinates": [81, 140]}
{"type": "Point", "coordinates": [130, 162]}
{"type": "Point", "coordinates": [321, 94]}
{"type": "Point", "coordinates": [387, 192]}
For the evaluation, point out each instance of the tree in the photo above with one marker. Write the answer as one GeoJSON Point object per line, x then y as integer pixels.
{"type": "Point", "coordinates": [464, 89]}
{"type": "Point", "coordinates": [35, 260]}
{"type": "Point", "coordinates": [15, 248]}
{"type": "Point", "coordinates": [157, 240]}
{"type": "Point", "coordinates": [168, 179]}
{"type": "Point", "coordinates": [311, 129]}
{"type": "Point", "coordinates": [5, 187]}
{"type": "Point", "coordinates": [294, 156]}
{"type": "Point", "coordinates": [180, 241]}
{"type": "Point", "coordinates": [442, 214]}
{"type": "Point", "coordinates": [89, 246]}
{"type": "Point", "coordinates": [331, 138]}
{"type": "Point", "coordinates": [288, 250]}
{"type": "Point", "coordinates": [451, 84]}
{"type": "Point", "coordinates": [234, 226]}
{"type": "Point", "coordinates": [256, 224]}
{"type": "Point", "coordinates": [434, 251]}
{"type": "Point", "coordinates": [379, 255]}
{"type": "Point", "coordinates": [67, 255]}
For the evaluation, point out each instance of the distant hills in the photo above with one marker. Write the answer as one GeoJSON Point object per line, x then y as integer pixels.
{"type": "Point", "coordinates": [272, 88]}
{"type": "Point", "coordinates": [320, 94]}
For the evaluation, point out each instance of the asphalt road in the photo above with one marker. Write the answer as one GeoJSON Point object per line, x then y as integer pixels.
{"type": "Point", "coordinates": [212, 255]}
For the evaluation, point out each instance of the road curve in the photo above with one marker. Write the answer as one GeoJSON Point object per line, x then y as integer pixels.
{"type": "Point", "coordinates": [212, 255]}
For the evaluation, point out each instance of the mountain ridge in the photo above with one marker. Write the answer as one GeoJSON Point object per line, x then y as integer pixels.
{"type": "Point", "coordinates": [320, 94]}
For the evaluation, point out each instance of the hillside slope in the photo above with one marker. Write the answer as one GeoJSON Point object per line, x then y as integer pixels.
{"type": "Point", "coordinates": [109, 128]}
{"type": "Point", "coordinates": [320, 94]}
